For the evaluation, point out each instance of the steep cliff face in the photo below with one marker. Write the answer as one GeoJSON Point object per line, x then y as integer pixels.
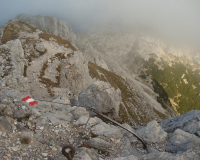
{"type": "Point", "coordinates": [49, 67]}
{"type": "Point", "coordinates": [50, 25]}
{"type": "Point", "coordinates": [52, 65]}
{"type": "Point", "coordinates": [142, 100]}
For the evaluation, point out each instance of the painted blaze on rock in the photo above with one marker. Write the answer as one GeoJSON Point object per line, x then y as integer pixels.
{"type": "Point", "coordinates": [102, 97]}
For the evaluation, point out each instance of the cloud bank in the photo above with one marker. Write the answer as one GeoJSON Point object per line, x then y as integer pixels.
{"type": "Point", "coordinates": [177, 20]}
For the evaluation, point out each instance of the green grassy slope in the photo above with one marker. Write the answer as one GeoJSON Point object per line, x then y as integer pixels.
{"type": "Point", "coordinates": [181, 83]}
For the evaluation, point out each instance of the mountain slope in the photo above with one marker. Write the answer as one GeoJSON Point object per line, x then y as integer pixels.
{"type": "Point", "coordinates": [136, 107]}
{"type": "Point", "coordinates": [52, 65]}
{"type": "Point", "coordinates": [49, 67]}
{"type": "Point", "coordinates": [137, 56]}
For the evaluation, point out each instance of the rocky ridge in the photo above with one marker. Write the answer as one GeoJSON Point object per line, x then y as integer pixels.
{"type": "Point", "coordinates": [139, 101]}
{"type": "Point", "coordinates": [40, 131]}
{"type": "Point", "coordinates": [49, 24]}
{"type": "Point", "coordinates": [147, 58]}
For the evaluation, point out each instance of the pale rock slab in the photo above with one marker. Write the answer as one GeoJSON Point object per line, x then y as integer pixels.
{"type": "Point", "coordinates": [152, 133]}
{"type": "Point", "coordinates": [82, 121]}
{"type": "Point", "coordinates": [183, 122]}
{"type": "Point", "coordinates": [102, 97]}
{"type": "Point", "coordinates": [181, 141]}
{"type": "Point", "coordinates": [103, 129]}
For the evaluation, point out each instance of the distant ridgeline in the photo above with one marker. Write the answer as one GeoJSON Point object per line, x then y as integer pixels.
{"type": "Point", "coordinates": [181, 83]}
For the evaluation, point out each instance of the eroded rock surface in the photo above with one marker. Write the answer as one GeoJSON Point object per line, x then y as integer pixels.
{"type": "Point", "coordinates": [40, 131]}
{"type": "Point", "coordinates": [102, 97]}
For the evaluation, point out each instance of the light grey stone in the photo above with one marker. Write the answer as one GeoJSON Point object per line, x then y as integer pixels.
{"type": "Point", "coordinates": [103, 129]}
{"type": "Point", "coordinates": [17, 56]}
{"type": "Point", "coordinates": [181, 141]}
{"type": "Point", "coordinates": [171, 124]}
{"type": "Point", "coordinates": [5, 124]}
{"type": "Point", "coordinates": [42, 122]}
{"type": "Point", "coordinates": [16, 82]}
{"type": "Point", "coordinates": [50, 25]}
{"type": "Point", "coordinates": [80, 111]}
{"type": "Point", "coordinates": [82, 121]}
{"type": "Point", "coordinates": [162, 156]}
{"type": "Point", "coordinates": [192, 127]}
{"type": "Point", "coordinates": [21, 112]}
{"type": "Point", "coordinates": [125, 132]}
{"type": "Point", "coordinates": [100, 144]}
{"type": "Point", "coordinates": [8, 111]}
{"type": "Point", "coordinates": [197, 133]}
{"type": "Point", "coordinates": [131, 157]}
{"type": "Point", "coordinates": [191, 154]}
{"type": "Point", "coordinates": [152, 132]}
{"type": "Point", "coordinates": [83, 155]}
{"type": "Point", "coordinates": [91, 152]}
{"type": "Point", "coordinates": [102, 97]}
{"type": "Point", "coordinates": [40, 47]}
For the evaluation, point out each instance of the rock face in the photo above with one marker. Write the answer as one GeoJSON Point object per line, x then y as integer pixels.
{"type": "Point", "coordinates": [46, 66]}
{"type": "Point", "coordinates": [50, 25]}
{"type": "Point", "coordinates": [102, 97]}
{"type": "Point", "coordinates": [41, 64]}
{"type": "Point", "coordinates": [12, 58]}
{"type": "Point", "coordinates": [188, 122]}
{"type": "Point", "coordinates": [181, 141]}
{"type": "Point", "coordinates": [152, 133]}
{"type": "Point", "coordinates": [142, 100]}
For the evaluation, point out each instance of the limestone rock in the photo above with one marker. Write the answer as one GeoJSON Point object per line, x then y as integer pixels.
{"type": "Point", "coordinates": [197, 133]}
{"type": "Point", "coordinates": [152, 132]}
{"type": "Point", "coordinates": [131, 157]}
{"type": "Point", "coordinates": [102, 97]}
{"type": "Point", "coordinates": [5, 124]}
{"type": "Point", "coordinates": [83, 153]}
{"type": "Point", "coordinates": [40, 48]}
{"type": "Point", "coordinates": [80, 111]}
{"type": "Point", "coordinates": [76, 77]}
{"type": "Point", "coordinates": [82, 121]}
{"type": "Point", "coordinates": [103, 129]}
{"type": "Point", "coordinates": [17, 54]}
{"type": "Point", "coordinates": [17, 82]}
{"type": "Point", "coordinates": [99, 144]}
{"type": "Point", "coordinates": [8, 111]}
{"type": "Point", "coordinates": [21, 112]}
{"type": "Point", "coordinates": [183, 122]}
{"type": "Point", "coordinates": [50, 25]}
{"type": "Point", "coordinates": [2, 106]}
{"type": "Point", "coordinates": [181, 141]}
{"type": "Point", "coordinates": [162, 156]}
{"type": "Point", "coordinates": [125, 132]}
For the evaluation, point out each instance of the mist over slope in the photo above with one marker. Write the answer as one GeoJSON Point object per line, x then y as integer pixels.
{"type": "Point", "coordinates": [176, 21]}
{"type": "Point", "coordinates": [73, 76]}
{"type": "Point", "coordinates": [138, 98]}
{"type": "Point", "coordinates": [135, 56]}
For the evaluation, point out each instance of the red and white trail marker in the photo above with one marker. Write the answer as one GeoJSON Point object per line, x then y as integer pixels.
{"type": "Point", "coordinates": [29, 100]}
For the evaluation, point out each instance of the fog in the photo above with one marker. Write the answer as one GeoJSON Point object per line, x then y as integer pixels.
{"type": "Point", "coordinates": [177, 20]}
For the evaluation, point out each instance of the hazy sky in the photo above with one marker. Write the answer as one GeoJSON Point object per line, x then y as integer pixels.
{"type": "Point", "coordinates": [175, 19]}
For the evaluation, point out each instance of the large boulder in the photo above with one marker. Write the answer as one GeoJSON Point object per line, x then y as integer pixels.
{"type": "Point", "coordinates": [189, 122]}
{"type": "Point", "coordinates": [99, 144]}
{"type": "Point", "coordinates": [6, 124]}
{"type": "Point", "coordinates": [102, 97]}
{"type": "Point", "coordinates": [106, 130]}
{"type": "Point", "coordinates": [152, 133]}
{"type": "Point", "coordinates": [181, 141]}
